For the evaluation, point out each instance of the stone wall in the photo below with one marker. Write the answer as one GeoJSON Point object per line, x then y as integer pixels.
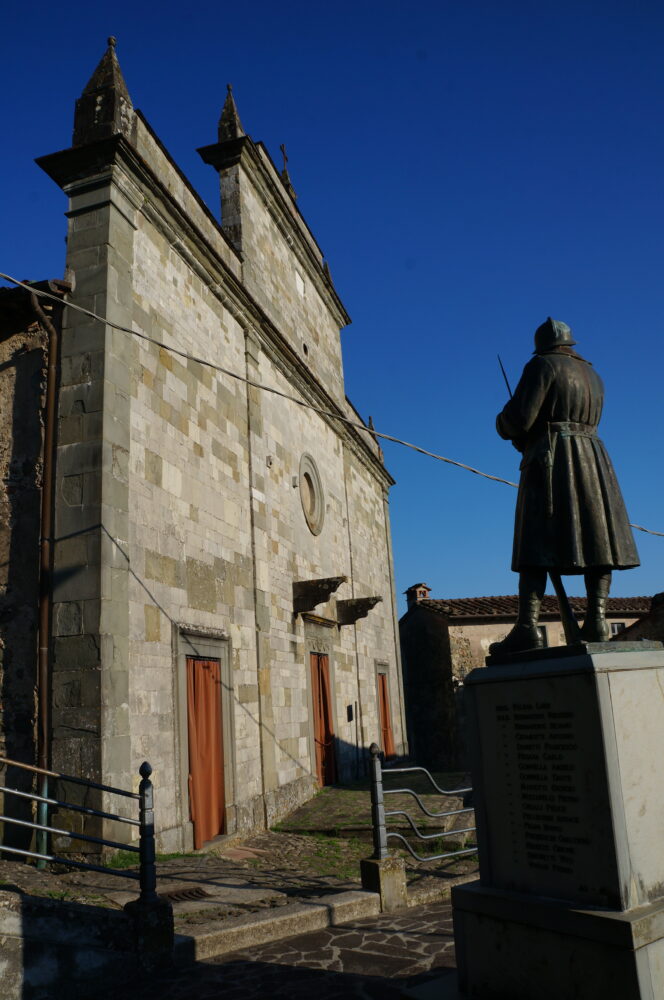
{"type": "Point", "coordinates": [430, 690]}
{"type": "Point", "coordinates": [23, 360]}
{"type": "Point", "coordinates": [282, 264]}
{"type": "Point", "coordinates": [181, 518]}
{"type": "Point", "coordinates": [439, 652]}
{"type": "Point", "coordinates": [474, 638]}
{"type": "Point", "coordinates": [651, 626]}
{"type": "Point", "coordinates": [52, 948]}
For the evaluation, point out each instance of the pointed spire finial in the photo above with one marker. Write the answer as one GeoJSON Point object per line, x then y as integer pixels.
{"type": "Point", "coordinates": [104, 108]}
{"type": "Point", "coordinates": [230, 126]}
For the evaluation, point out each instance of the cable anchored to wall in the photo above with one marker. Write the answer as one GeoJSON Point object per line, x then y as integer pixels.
{"type": "Point", "coordinates": [277, 392]}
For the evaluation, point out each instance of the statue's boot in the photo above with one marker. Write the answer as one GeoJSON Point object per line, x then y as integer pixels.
{"type": "Point", "coordinates": [595, 627]}
{"type": "Point", "coordinates": [525, 634]}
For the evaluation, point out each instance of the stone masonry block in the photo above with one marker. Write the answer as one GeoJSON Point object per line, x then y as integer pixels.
{"type": "Point", "coordinates": [68, 618]}
{"type": "Point", "coordinates": [76, 652]}
{"type": "Point", "coordinates": [388, 878]}
{"type": "Point", "coordinates": [152, 623]}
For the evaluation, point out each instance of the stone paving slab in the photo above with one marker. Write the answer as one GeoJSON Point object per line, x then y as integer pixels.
{"type": "Point", "coordinates": [376, 958]}
{"type": "Point", "coordinates": [239, 894]}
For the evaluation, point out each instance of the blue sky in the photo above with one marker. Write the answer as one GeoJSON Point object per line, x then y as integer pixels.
{"type": "Point", "coordinates": [468, 169]}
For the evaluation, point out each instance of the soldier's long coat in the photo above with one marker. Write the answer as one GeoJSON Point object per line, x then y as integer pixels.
{"type": "Point", "coordinates": [570, 514]}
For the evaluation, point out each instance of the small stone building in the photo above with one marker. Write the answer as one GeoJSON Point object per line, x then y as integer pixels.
{"type": "Point", "coordinates": [443, 640]}
{"type": "Point", "coordinates": [650, 626]}
{"type": "Point", "coordinates": [221, 598]}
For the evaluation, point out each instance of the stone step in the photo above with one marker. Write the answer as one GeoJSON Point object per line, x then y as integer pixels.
{"type": "Point", "coordinates": [249, 930]}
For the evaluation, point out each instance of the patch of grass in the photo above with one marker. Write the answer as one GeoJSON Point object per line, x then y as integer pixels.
{"type": "Point", "coordinates": [335, 857]}
{"type": "Point", "coordinates": [59, 894]}
{"type": "Point", "coordinates": [122, 859]}
{"type": "Point", "coordinates": [177, 854]}
{"type": "Point", "coordinates": [442, 845]}
{"type": "Point", "coordinates": [129, 859]}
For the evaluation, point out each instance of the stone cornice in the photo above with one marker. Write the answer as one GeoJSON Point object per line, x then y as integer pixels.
{"type": "Point", "coordinates": [78, 166]}
{"type": "Point", "coordinates": [79, 163]}
{"type": "Point", "coordinates": [308, 594]}
{"type": "Point", "coordinates": [286, 215]}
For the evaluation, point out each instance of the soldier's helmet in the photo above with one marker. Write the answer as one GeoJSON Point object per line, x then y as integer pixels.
{"type": "Point", "coordinates": [552, 333]}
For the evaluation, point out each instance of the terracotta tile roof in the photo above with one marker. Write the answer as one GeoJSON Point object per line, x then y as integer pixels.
{"type": "Point", "coordinates": [505, 606]}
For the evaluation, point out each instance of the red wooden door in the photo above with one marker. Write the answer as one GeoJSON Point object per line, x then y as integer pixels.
{"type": "Point", "coordinates": [326, 770]}
{"type": "Point", "coordinates": [385, 716]}
{"type": "Point", "coordinates": [206, 753]}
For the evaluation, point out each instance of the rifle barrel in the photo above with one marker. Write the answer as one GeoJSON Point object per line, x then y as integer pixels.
{"type": "Point", "coordinates": [502, 368]}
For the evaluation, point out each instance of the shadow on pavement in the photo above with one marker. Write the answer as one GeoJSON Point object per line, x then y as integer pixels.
{"type": "Point", "coordinates": [245, 980]}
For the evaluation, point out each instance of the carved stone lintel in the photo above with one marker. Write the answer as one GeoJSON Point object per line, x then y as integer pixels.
{"type": "Point", "coordinates": [348, 612]}
{"type": "Point", "coordinates": [308, 593]}
{"type": "Point", "coordinates": [317, 621]}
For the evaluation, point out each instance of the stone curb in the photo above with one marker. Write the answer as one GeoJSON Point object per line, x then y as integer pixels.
{"type": "Point", "coordinates": [435, 893]}
{"type": "Point", "coordinates": [253, 929]}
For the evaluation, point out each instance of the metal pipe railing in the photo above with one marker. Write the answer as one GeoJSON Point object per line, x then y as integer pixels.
{"type": "Point", "coordinates": [69, 861]}
{"type": "Point", "coordinates": [67, 833]}
{"type": "Point", "coordinates": [427, 836]}
{"type": "Point", "coordinates": [88, 810]}
{"type": "Point", "coordinates": [70, 777]}
{"type": "Point", "coordinates": [379, 816]}
{"type": "Point", "coordinates": [441, 791]}
{"type": "Point", "coordinates": [409, 791]}
{"type": "Point", "coordinates": [377, 805]}
{"type": "Point", "coordinates": [147, 873]}
{"type": "Point", "coordinates": [432, 857]}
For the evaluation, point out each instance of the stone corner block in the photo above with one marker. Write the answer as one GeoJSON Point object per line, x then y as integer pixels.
{"type": "Point", "coordinates": [387, 877]}
{"type": "Point", "coordinates": [153, 933]}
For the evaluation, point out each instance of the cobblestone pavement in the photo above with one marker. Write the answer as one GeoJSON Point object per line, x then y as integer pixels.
{"type": "Point", "coordinates": [346, 811]}
{"type": "Point", "coordinates": [370, 959]}
{"type": "Point", "coordinates": [267, 869]}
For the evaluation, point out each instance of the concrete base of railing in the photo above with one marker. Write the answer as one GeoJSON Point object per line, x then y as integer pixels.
{"type": "Point", "coordinates": [387, 877]}
{"type": "Point", "coordinates": [53, 948]}
{"type": "Point", "coordinates": [153, 932]}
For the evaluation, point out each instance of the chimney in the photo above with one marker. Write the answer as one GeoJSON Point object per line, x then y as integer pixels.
{"type": "Point", "coordinates": [418, 592]}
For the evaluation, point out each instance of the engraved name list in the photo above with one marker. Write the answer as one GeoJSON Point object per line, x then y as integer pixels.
{"type": "Point", "coordinates": [539, 747]}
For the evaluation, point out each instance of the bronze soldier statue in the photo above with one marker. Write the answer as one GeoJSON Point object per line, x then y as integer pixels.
{"type": "Point", "coordinates": [570, 514]}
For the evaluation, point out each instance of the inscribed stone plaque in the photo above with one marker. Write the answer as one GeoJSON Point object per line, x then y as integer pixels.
{"type": "Point", "coordinates": [544, 787]}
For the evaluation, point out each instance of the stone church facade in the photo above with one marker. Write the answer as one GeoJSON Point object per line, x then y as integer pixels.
{"type": "Point", "coordinates": [223, 601]}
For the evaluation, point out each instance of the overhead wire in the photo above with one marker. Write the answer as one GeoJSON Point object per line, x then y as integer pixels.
{"type": "Point", "coordinates": [277, 392]}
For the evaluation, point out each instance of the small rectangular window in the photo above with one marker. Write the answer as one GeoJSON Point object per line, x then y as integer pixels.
{"type": "Point", "coordinates": [617, 627]}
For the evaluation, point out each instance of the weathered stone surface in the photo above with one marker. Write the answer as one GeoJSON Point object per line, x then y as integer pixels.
{"type": "Point", "coordinates": [51, 948]}
{"type": "Point", "coordinates": [387, 877]}
{"type": "Point", "coordinates": [23, 359]}
{"type": "Point", "coordinates": [176, 512]}
{"type": "Point", "coordinates": [569, 809]}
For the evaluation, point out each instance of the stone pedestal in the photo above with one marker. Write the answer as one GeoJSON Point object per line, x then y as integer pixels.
{"type": "Point", "coordinates": [567, 753]}
{"type": "Point", "coordinates": [387, 877]}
